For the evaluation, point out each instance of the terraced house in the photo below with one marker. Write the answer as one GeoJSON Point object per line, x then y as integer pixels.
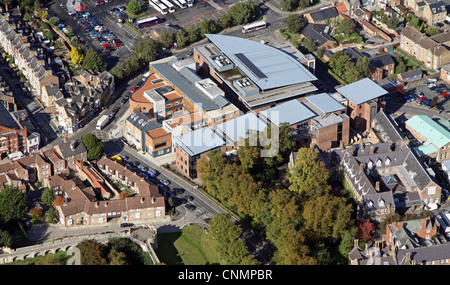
{"type": "Point", "coordinates": [431, 53]}
{"type": "Point", "coordinates": [18, 41]}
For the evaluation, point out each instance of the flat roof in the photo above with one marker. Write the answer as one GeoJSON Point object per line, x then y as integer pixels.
{"type": "Point", "coordinates": [291, 112]}
{"type": "Point", "coordinates": [325, 103]}
{"type": "Point", "coordinates": [237, 128]}
{"type": "Point", "coordinates": [362, 91]}
{"type": "Point", "coordinates": [266, 66]}
{"type": "Point", "coordinates": [199, 141]}
{"type": "Point", "coordinates": [432, 131]}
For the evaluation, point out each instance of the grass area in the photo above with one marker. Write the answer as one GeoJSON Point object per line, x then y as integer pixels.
{"type": "Point", "coordinates": [191, 246]}
{"type": "Point", "coordinates": [133, 28]}
{"type": "Point", "coordinates": [412, 62]}
{"type": "Point", "coordinates": [59, 258]}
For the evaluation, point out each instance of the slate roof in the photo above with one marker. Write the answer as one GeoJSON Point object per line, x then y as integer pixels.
{"type": "Point", "coordinates": [362, 91]}
{"type": "Point", "coordinates": [387, 128]}
{"type": "Point", "coordinates": [324, 14]}
{"type": "Point", "coordinates": [316, 32]}
{"type": "Point", "coordinates": [410, 73]}
{"type": "Point", "coordinates": [425, 254]}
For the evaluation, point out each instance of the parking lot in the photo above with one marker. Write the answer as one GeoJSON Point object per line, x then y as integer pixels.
{"type": "Point", "coordinates": [438, 89]}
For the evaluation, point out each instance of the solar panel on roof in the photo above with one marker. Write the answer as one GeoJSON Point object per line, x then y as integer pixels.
{"type": "Point", "coordinates": [256, 71]}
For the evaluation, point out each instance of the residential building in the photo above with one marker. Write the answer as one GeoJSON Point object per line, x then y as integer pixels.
{"type": "Point", "coordinates": [380, 66]}
{"type": "Point", "coordinates": [435, 12]}
{"type": "Point", "coordinates": [352, 6]}
{"type": "Point", "coordinates": [325, 15]}
{"type": "Point", "coordinates": [410, 234]}
{"type": "Point", "coordinates": [444, 73]}
{"type": "Point", "coordinates": [72, 152]}
{"type": "Point", "coordinates": [435, 138]}
{"type": "Point", "coordinates": [432, 54]}
{"type": "Point", "coordinates": [319, 34]}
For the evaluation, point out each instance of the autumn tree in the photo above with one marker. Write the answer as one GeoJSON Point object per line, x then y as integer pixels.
{"type": "Point", "coordinates": [59, 200]}
{"type": "Point", "coordinates": [365, 229]}
{"type": "Point", "coordinates": [92, 252]}
{"type": "Point", "coordinates": [36, 214]}
{"type": "Point", "coordinates": [326, 216]}
{"type": "Point", "coordinates": [76, 55]}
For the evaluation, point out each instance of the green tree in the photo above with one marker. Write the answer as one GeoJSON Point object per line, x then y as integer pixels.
{"type": "Point", "coordinates": [133, 7]}
{"type": "Point", "coordinates": [146, 49]}
{"type": "Point", "coordinates": [117, 257]}
{"type": "Point", "coordinates": [289, 5]}
{"type": "Point", "coordinates": [5, 239]}
{"type": "Point", "coordinates": [93, 61]}
{"type": "Point", "coordinates": [193, 33]}
{"type": "Point", "coordinates": [48, 197]}
{"type": "Point", "coordinates": [338, 62]}
{"type": "Point", "coordinates": [363, 67]}
{"type": "Point", "coordinates": [400, 65]}
{"type": "Point", "coordinates": [225, 21]}
{"type": "Point", "coordinates": [346, 27]}
{"type": "Point", "coordinates": [351, 73]}
{"type": "Point", "coordinates": [294, 23]}
{"type": "Point", "coordinates": [166, 39]}
{"type": "Point", "coordinates": [309, 175]}
{"type": "Point", "coordinates": [181, 39]}
{"type": "Point", "coordinates": [13, 204]}
{"type": "Point", "coordinates": [51, 215]}
{"type": "Point", "coordinates": [93, 145]}
{"type": "Point", "coordinates": [432, 31]}
{"type": "Point", "coordinates": [207, 26]}
{"type": "Point", "coordinates": [309, 44]}
{"type": "Point", "coordinates": [243, 13]}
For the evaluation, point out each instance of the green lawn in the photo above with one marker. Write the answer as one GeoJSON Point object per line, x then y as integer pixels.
{"type": "Point", "coordinates": [191, 246]}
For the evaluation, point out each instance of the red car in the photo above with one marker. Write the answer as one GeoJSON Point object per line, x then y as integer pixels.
{"type": "Point", "coordinates": [133, 89]}
{"type": "Point", "coordinates": [444, 94]}
{"type": "Point", "coordinates": [106, 45]}
{"type": "Point", "coordinates": [118, 44]}
{"type": "Point", "coordinates": [421, 99]}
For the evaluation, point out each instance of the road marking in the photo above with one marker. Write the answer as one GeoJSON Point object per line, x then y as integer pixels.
{"type": "Point", "coordinates": [215, 5]}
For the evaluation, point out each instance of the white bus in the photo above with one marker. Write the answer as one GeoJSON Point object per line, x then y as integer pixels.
{"type": "Point", "coordinates": [169, 6]}
{"type": "Point", "coordinates": [181, 3]}
{"type": "Point", "coordinates": [190, 3]}
{"type": "Point", "coordinates": [158, 6]}
{"type": "Point", "coordinates": [254, 27]}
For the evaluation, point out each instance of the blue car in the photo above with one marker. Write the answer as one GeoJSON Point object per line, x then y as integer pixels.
{"type": "Point", "coordinates": [407, 99]}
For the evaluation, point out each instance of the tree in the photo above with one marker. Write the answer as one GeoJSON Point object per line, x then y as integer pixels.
{"type": "Point", "coordinates": [309, 175]}
{"type": "Point", "coordinates": [225, 21]}
{"type": "Point", "coordinates": [36, 215]}
{"type": "Point", "coordinates": [289, 5]}
{"type": "Point", "coordinates": [242, 13]}
{"type": "Point", "coordinates": [117, 257]}
{"type": "Point", "coordinates": [326, 216]}
{"type": "Point", "coordinates": [400, 66]}
{"type": "Point", "coordinates": [93, 61]}
{"type": "Point", "coordinates": [192, 33]}
{"type": "Point", "coordinates": [5, 239]}
{"type": "Point", "coordinates": [393, 21]}
{"type": "Point", "coordinates": [434, 102]}
{"type": "Point", "coordinates": [309, 44]}
{"type": "Point", "coordinates": [93, 145]}
{"type": "Point", "coordinates": [207, 26]}
{"type": "Point", "coordinates": [146, 48]}
{"type": "Point", "coordinates": [365, 229]}
{"type": "Point", "coordinates": [133, 7]}
{"type": "Point", "coordinates": [346, 27]}
{"type": "Point", "coordinates": [76, 55]}
{"type": "Point", "coordinates": [166, 39]}
{"type": "Point", "coordinates": [363, 67]}
{"type": "Point", "coordinates": [59, 200]}
{"type": "Point", "coordinates": [181, 39]}
{"type": "Point", "coordinates": [92, 252]}
{"type": "Point", "coordinates": [13, 204]}
{"type": "Point", "coordinates": [351, 73]}
{"type": "Point", "coordinates": [294, 23]}
{"type": "Point", "coordinates": [338, 62]}
{"type": "Point", "coordinates": [48, 197]}
{"type": "Point", "coordinates": [432, 31]}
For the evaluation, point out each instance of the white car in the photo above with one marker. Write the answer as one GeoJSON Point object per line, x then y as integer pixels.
{"type": "Point", "coordinates": [165, 182]}
{"type": "Point", "coordinates": [432, 79]}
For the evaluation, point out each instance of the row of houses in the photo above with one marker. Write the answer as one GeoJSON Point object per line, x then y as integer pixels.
{"type": "Point", "coordinates": [73, 99]}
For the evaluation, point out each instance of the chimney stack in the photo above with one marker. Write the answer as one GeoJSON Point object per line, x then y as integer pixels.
{"type": "Point", "coordinates": [361, 167]}
{"type": "Point", "coordinates": [72, 145]}
{"type": "Point", "coordinates": [424, 224]}
{"type": "Point", "coordinates": [153, 199]}
{"type": "Point", "coordinates": [377, 186]}
{"type": "Point", "coordinates": [142, 199]}
{"type": "Point", "coordinates": [372, 149]}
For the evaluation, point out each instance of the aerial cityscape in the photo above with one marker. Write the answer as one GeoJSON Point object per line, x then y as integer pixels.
{"type": "Point", "coordinates": [224, 132]}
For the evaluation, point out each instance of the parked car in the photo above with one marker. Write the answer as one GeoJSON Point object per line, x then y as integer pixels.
{"type": "Point", "coordinates": [179, 190]}
{"type": "Point", "coordinates": [125, 225]}
{"type": "Point", "coordinates": [421, 99]}
{"type": "Point", "coordinates": [370, 42]}
{"type": "Point", "coordinates": [443, 94]}
{"type": "Point", "coordinates": [190, 207]}
{"type": "Point", "coordinates": [432, 79]}
{"type": "Point", "coordinates": [124, 157]}
{"type": "Point", "coordinates": [143, 168]}
{"type": "Point", "coordinates": [407, 99]}
{"type": "Point", "coordinates": [165, 182]}
{"type": "Point", "coordinates": [189, 198]}
{"type": "Point", "coordinates": [118, 44]}
{"type": "Point", "coordinates": [133, 89]}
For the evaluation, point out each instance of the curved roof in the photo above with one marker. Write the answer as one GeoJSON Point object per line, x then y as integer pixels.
{"type": "Point", "coordinates": [266, 66]}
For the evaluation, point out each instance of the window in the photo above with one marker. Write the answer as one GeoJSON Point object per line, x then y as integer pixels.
{"type": "Point", "coordinates": [431, 190]}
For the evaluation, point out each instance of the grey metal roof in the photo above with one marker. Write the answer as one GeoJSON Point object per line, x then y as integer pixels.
{"type": "Point", "coordinates": [187, 88]}
{"type": "Point", "coordinates": [266, 66]}
{"type": "Point", "coordinates": [325, 103]}
{"type": "Point", "coordinates": [362, 91]}
{"type": "Point", "coordinates": [291, 112]}
{"type": "Point", "coordinates": [199, 141]}
{"type": "Point", "coordinates": [237, 128]}
{"type": "Point", "coordinates": [411, 73]}
{"type": "Point", "coordinates": [387, 127]}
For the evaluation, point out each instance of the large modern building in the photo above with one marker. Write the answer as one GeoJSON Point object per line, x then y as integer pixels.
{"type": "Point", "coordinates": [254, 76]}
